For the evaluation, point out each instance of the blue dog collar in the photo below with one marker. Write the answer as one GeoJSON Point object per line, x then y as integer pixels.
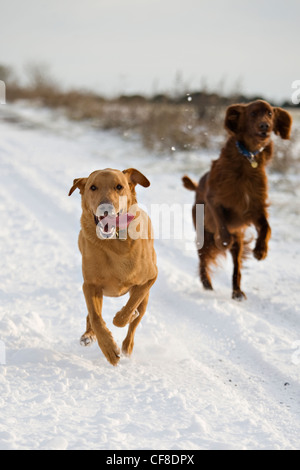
{"type": "Point", "coordinates": [249, 155]}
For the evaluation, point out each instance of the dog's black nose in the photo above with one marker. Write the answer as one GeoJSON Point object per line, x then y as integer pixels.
{"type": "Point", "coordinates": [264, 126]}
{"type": "Point", "coordinates": [106, 208]}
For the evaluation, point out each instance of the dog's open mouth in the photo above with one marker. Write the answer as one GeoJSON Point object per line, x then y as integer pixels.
{"type": "Point", "coordinates": [264, 135]}
{"type": "Point", "coordinates": [109, 223]}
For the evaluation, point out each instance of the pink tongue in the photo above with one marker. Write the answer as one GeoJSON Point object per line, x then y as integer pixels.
{"type": "Point", "coordinates": [121, 221]}
{"type": "Point", "coordinates": [124, 220]}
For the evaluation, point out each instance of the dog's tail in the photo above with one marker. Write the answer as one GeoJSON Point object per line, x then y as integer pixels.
{"type": "Point", "coordinates": [189, 184]}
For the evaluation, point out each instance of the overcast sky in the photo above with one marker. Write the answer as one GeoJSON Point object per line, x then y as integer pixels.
{"type": "Point", "coordinates": [141, 46]}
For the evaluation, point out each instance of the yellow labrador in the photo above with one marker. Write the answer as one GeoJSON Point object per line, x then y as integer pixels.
{"type": "Point", "coordinates": [114, 264]}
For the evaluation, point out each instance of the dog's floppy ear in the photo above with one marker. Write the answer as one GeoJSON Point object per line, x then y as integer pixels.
{"type": "Point", "coordinates": [233, 118]}
{"type": "Point", "coordinates": [283, 123]}
{"type": "Point", "coordinates": [78, 183]}
{"type": "Point", "coordinates": [136, 177]}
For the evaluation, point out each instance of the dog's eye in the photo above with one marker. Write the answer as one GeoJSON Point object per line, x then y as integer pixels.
{"type": "Point", "coordinates": [253, 114]}
{"type": "Point", "coordinates": [93, 188]}
{"type": "Point", "coordinates": [119, 187]}
{"type": "Point", "coordinates": [270, 113]}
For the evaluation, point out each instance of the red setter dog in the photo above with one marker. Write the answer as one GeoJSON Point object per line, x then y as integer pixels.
{"type": "Point", "coordinates": [235, 191]}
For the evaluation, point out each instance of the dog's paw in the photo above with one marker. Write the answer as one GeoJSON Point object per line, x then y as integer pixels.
{"type": "Point", "coordinates": [112, 354]}
{"type": "Point", "coordinates": [109, 347]}
{"type": "Point", "coordinates": [260, 252]}
{"type": "Point", "coordinates": [239, 295]}
{"type": "Point", "coordinates": [87, 339]}
{"type": "Point", "coordinates": [121, 318]}
{"type": "Point", "coordinates": [127, 347]}
{"type": "Point", "coordinates": [124, 317]}
{"type": "Point", "coordinates": [207, 285]}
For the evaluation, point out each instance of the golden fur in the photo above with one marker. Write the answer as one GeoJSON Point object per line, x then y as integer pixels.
{"type": "Point", "coordinates": [114, 267]}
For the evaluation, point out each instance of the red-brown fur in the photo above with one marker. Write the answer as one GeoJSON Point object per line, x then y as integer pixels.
{"type": "Point", "coordinates": [234, 193]}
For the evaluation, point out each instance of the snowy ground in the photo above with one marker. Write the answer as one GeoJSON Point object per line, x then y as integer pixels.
{"type": "Point", "coordinates": [206, 372]}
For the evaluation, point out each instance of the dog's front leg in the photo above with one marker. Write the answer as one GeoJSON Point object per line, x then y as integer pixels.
{"type": "Point", "coordinates": [128, 342]}
{"type": "Point", "coordinates": [264, 234]}
{"type": "Point", "coordinates": [94, 300]}
{"type": "Point", "coordinates": [129, 313]}
{"type": "Point", "coordinates": [89, 336]}
{"type": "Point", "coordinates": [222, 236]}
